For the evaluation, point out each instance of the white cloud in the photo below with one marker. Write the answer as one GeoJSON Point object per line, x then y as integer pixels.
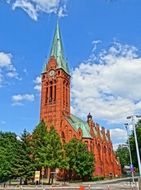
{"type": "Point", "coordinates": [37, 83]}
{"type": "Point", "coordinates": [95, 43]}
{"type": "Point", "coordinates": [7, 68]}
{"type": "Point", "coordinates": [62, 11]}
{"type": "Point", "coordinates": [108, 84]}
{"type": "Point", "coordinates": [27, 6]}
{"type": "Point", "coordinates": [118, 135]}
{"type": "Point", "coordinates": [12, 74]}
{"type": "Point", "coordinates": [34, 7]}
{"type": "Point", "coordinates": [19, 99]}
{"type": "Point", "coordinates": [18, 138]}
{"type": "Point", "coordinates": [5, 60]}
{"type": "Point", "coordinates": [116, 145]}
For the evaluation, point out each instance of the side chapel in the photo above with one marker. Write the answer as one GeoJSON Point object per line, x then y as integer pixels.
{"type": "Point", "coordinates": [55, 110]}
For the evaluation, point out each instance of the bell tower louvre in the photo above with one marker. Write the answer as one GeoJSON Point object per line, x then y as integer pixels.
{"type": "Point", "coordinates": [55, 111]}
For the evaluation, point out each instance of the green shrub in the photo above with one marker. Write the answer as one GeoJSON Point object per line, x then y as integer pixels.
{"type": "Point", "coordinates": [98, 178]}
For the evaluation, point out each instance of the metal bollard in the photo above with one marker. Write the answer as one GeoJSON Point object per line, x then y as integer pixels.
{"type": "Point", "coordinates": [139, 183]}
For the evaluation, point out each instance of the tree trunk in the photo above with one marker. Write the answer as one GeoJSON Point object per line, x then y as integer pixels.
{"type": "Point", "coordinates": [49, 175]}
{"type": "Point", "coordinates": [52, 177]}
{"type": "Point", "coordinates": [70, 175]}
{"type": "Point", "coordinates": [20, 181]}
{"type": "Point", "coordinates": [25, 181]}
{"type": "Point", "coordinates": [64, 176]}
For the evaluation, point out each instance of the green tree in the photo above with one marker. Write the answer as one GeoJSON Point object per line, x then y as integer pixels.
{"type": "Point", "coordinates": [123, 153]}
{"type": "Point", "coordinates": [132, 143]}
{"type": "Point", "coordinates": [8, 156]}
{"type": "Point", "coordinates": [25, 160]}
{"type": "Point", "coordinates": [39, 144]}
{"type": "Point", "coordinates": [47, 148]}
{"type": "Point", "coordinates": [54, 151]}
{"type": "Point", "coordinates": [80, 160]}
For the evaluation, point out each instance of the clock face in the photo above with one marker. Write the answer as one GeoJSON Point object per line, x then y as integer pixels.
{"type": "Point", "coordinates": [51, 73]}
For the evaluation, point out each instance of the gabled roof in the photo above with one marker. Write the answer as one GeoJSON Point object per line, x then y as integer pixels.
{"type": "Point", "coordinates": [77, 123]}
{"type": "Point", "coordinates": [57, 50]}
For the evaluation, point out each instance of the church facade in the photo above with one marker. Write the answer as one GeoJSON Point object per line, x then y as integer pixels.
{"type": "Point", "coordinates": [55, 111]}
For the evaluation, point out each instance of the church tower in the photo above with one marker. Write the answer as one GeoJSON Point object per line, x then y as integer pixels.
{"type": "Point", "coordinates": [55, 111]}
{"type": "Point", "coordinates": [55, 87]}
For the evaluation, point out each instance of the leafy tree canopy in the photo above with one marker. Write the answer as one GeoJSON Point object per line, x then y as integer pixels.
{"type": "Point", "coordinates": [79, 158]}
{"type": "Point", "coordinates": [123, 153]}
{"type": "Point", "coordinates": [47, 147]}
{"type": "Point", "coordinates": [132, 143]}
{"type": "Point", "coordinates": [25, 160]}
{"type": "Point", "coordinates": [8, 155]}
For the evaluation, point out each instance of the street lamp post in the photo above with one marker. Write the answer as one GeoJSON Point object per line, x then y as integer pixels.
{"type": "Point", "coordinates": [42, 172]}
{"type": "Point", "coordinates": [130, 155]}
{"type": "Point", "coordinates": [132, 117]}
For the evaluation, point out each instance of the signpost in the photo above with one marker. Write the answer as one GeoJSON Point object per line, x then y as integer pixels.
{"type": "Point", "coordinates": [139, 180]}
{"type": "Point", "coordinates": [43, 172]}
{"type": "Point", "coordinates": [37, 177]}
{"type": "Point", "coordinates": [131, 168]}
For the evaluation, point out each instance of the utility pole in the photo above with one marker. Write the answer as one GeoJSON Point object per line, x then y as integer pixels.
{"type": "Point", "coordinates": [130, 155]}
{"type": "Point", "coordinates": [132, 117]}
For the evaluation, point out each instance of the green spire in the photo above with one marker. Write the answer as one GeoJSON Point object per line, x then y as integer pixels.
{"type": "Point", "coordinates": [44, 66]}
{"type": "Point", "coordinates": [57, 50]}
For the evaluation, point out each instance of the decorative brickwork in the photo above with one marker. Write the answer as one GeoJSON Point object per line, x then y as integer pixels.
{"type": "Point", "coordinates": [55, 110]}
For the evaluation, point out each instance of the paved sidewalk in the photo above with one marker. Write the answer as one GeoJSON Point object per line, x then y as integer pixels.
{"type": "Point", "coordinates": [116, 184]}
{"type": "Point", "coordinates": [119, 186]}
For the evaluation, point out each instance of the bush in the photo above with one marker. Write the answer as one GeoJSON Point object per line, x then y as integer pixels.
{"type": "Point", "coordinates": [98, 178]}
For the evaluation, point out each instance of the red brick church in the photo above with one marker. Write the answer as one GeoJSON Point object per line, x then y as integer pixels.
{"type": "Point", "coordinates": [55, 110]}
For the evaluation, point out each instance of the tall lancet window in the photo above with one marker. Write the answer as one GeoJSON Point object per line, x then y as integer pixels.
{"type": "Point", "coordinates": [46, 95]}
{"type": "Point", "coordinates": [55, 92]}
{"type": "Point", "coordinates": [50, 92]}
{"type": "Point", "coordinates": [64, 87]}
{"type": "Point", "coordinates": [67, 94]}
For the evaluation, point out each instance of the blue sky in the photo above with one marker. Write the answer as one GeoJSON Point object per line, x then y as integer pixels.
{"type": "Point", "coordinates": [102, 43]}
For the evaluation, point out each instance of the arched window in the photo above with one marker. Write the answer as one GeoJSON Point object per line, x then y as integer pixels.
{"type": "Point", "coordinates": [109, 152]}
{"type": "Point", "coordinates": [105, 152]}
{"type": "Point", "coordinates": [55, 92]}
{"type": "Point", "coordinates": [43, 77]}
{"type": "Point", "coordinates": [79, 132]}
{"type": "Point", "coordinates": [63, 137]}
{"type": "Point", "coordinates": [50, 92]}
{"type": "Point", "coordinates": [66, 94]}
{"type": "Point", "coordinates": [91, 146]}
{"type": "Point", "coordinates": [99, 150]}
{"type": "Point", "coordinates": [50, 96]}
{"type": "Point", "coordinates": [104, 149]}
{"type": "Point", "coordinates": [46, 95]}
{"type": "Point", "coordinates": [70, 133]}
{"type": "Point", "coordinates": [58, 72]}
